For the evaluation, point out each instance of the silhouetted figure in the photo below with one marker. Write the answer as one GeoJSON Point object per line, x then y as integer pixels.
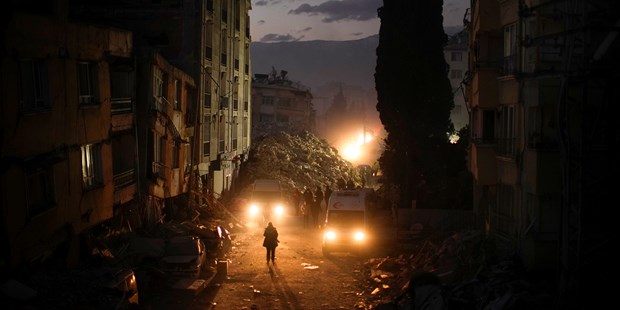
{"type": "Point", "coordinates": [271, 242]}
{"type": "Point", "coordinates": [316, 207]}
{"type": "Point", "coordinates": [307, 207]}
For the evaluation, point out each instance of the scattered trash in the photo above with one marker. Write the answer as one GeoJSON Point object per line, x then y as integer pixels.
{"type": "Point", "coordinates": [312, 267]}
{"type": "Point", "coordinates": [375, 291]}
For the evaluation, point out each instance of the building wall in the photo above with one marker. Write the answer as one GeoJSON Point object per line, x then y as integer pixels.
{"type": "Point", "coordinates": [456, 56]}
{"type": "Point", "coordinates": [46, 202]}
{"type": "Point", "coordinates": [280, 105]}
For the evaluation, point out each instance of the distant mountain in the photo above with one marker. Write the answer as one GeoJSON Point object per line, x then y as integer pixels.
{"type": "Point", "coordinates": [314, 63]}
{"type": "Point", "coordinates": [317, 63]}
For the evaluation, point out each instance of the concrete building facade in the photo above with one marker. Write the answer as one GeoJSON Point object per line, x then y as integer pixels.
{"type": "Point", "coordinates": [59, 128]}
{"type": "Point", "coordinates": [542, 95]}
{"type": "Point", "coordinates": [456, 56]}
{"type": "Point", "coordinates": [280, 105]}
{"type": "Point", "coordinates": [210, 41]}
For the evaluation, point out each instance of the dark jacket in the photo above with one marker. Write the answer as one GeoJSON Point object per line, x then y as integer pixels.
{"type": "Point", "coordinates": [271, 237]}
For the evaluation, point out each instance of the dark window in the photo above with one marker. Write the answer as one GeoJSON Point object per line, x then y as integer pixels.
{"type": "Point", "coordinates": [87, 83]}
{"type": "Point", "coordinates": [34, 85]}
{"type": "Point", "coordinates": [39, 189]}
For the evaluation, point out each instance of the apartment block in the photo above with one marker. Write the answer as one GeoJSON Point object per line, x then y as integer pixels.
{"type": "Point", "coordinates": [279, 104]}
{"type": "Point", "coordinates": [543, 94]}
{"type": "Point", "coordinates": [60, 116]}
{"type": "Point", "coordinates": [209, 41]}
{"type": "Point", "coordinates": [456, 56]}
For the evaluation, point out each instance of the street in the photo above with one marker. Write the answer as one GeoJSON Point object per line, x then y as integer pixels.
{"type": "Point", "coordinates": [301, 278]}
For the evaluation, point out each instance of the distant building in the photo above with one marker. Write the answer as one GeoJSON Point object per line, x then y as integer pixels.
{"type": "Point", "coordinates": [280, 105]}
{"type": "Point", "coordinates": [456, 55]}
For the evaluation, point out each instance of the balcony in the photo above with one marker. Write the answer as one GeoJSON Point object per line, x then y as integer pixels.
{"type": "Point", "coordinates": [121, 105]}
{"type": "Point", "coordinates": [542, 171]}
{"type": "Point", "coordinates": [483, 163]}
{"type": "Point", "coordinates": [484, 89]}
{"type": "Point", "coordinates": [159, 170]}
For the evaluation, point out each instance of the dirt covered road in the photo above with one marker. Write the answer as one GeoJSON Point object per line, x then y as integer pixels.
{"type": "Point", "coordinates": [301, 278]}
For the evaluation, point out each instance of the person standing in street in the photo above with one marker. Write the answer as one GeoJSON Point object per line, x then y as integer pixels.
{"type": "Point", "coordinates": [271, 242]}
{"type": "Point", "coordinates": [316, 207]}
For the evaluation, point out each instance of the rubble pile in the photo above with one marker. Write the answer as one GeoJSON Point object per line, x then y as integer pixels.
{"type": "Point", "coordinates": [466, 277]}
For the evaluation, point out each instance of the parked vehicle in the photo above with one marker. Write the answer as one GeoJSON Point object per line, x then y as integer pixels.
{"type": "Point", "coordinates": [184, 256]}
{"type": "Point", "coordinates": [217, 241]}
{"type": "Point", "coordinates": [266, 201]}
{"type": "Point", "coordinates": [97, 287]}
{"type": "Point", "coordinates": [346, 222]}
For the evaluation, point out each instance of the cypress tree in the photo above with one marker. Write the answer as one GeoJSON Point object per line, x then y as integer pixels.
{"type": "Point", "coordinates": [414, 96]}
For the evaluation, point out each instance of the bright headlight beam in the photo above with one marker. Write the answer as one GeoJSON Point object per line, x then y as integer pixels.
{"type": "Point", "coordinates": [330, 235]}
{"type": "Point", "coordinates": [359, 235]}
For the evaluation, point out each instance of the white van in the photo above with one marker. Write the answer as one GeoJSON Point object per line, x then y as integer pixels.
{"type": "Point", "coordinates": [346, 222]}
{"type": "Point", "coordinates": [266, 201]}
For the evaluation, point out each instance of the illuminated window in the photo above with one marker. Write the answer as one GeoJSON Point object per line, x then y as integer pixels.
{"type": "Point", "coordinates": [91, 165]}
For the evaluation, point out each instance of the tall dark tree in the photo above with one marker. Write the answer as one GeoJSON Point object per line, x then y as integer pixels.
{"type": "Point", "coordinates": [414, 95]}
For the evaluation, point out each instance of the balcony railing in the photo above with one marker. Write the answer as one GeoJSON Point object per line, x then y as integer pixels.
{"type": "Point", "coordinates": [510, 65]}
{"type": "Point", "coordinates": [159, 170]}
{"type": "Point", "coordinates": [506, 146]}
{"type": "Point", "coordinates": [121, 105]}
{"type": "Point", "coordinates": [123, 179]}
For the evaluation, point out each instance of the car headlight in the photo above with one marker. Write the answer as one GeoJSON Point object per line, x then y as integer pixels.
{"type": "Point", "coordinates": [279, 210]}
{"type": "Point", "coordinates": [359, 235]}
{"type": "Point", "coordinates": [254, 210]}
{"type": "Point", "coordinates": [330, 235]}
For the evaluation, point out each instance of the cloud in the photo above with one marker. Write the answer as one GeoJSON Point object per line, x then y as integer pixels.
{"type": "Point", "coordinates": [334, 10]}
{"type": "Point", "coordinates": [269, 2]}
{"type": "Point", "coordinates": [274, 37]}
{"type": "Point", "coordinates": [305, 29]}
{"type": "Point", "coordinates": [260, 22]}
{"type": "Point", "coordinates": [357, 34]}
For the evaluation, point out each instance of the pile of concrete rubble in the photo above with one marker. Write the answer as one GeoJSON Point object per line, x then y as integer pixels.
{"type": "Point", "coordinates": [455, 272]}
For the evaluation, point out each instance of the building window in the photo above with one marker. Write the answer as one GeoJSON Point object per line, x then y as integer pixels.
{"type": "Point", "coordinates": [222, 135]}
{"type": "Point", "coordinates": [39, 190]}
{"type": "Point", "coordinates": [207, 89]}
{"type": "Point", "coordinates": [209, 40]}
{"type": "Point", "coordinates": [88, 83]}
{"type": "Point", "coordinates": [206, 136]}
{"type": "Point", "coordinates": [235, 124]}
{"type": "Point", "coordinates": [510, 49]}
{"type": "Point", "coordinates": [158, 85]}
{"type": "Point", "coordinates": [121, 88]}
{"type": "Point", "coordinates": [177, 94]}
{"type": "Point", "coordinates": [456, 56]}
{"type": "Point", "coordinates": [456, 74]}
{"type": "Point", "coordinates": [34, 85]}
{"type": "Point", "coordinates": [282, 118]}
{"type": "Point", "coordinates": [92, 174]}
{"type": "Point", "coordinates": [175, 155]}
{"type": "Point", "coordinates": [268, 100]}
{"type": "Point", "coordinates": [506, 132]}
{"type": "Point", "coordinates": [224, 11]}
{"type": "Point", "coordinates": [503, 216]}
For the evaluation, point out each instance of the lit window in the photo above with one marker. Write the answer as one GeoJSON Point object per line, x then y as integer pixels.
{"type": "Point", "coordinates": [91, 165]}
